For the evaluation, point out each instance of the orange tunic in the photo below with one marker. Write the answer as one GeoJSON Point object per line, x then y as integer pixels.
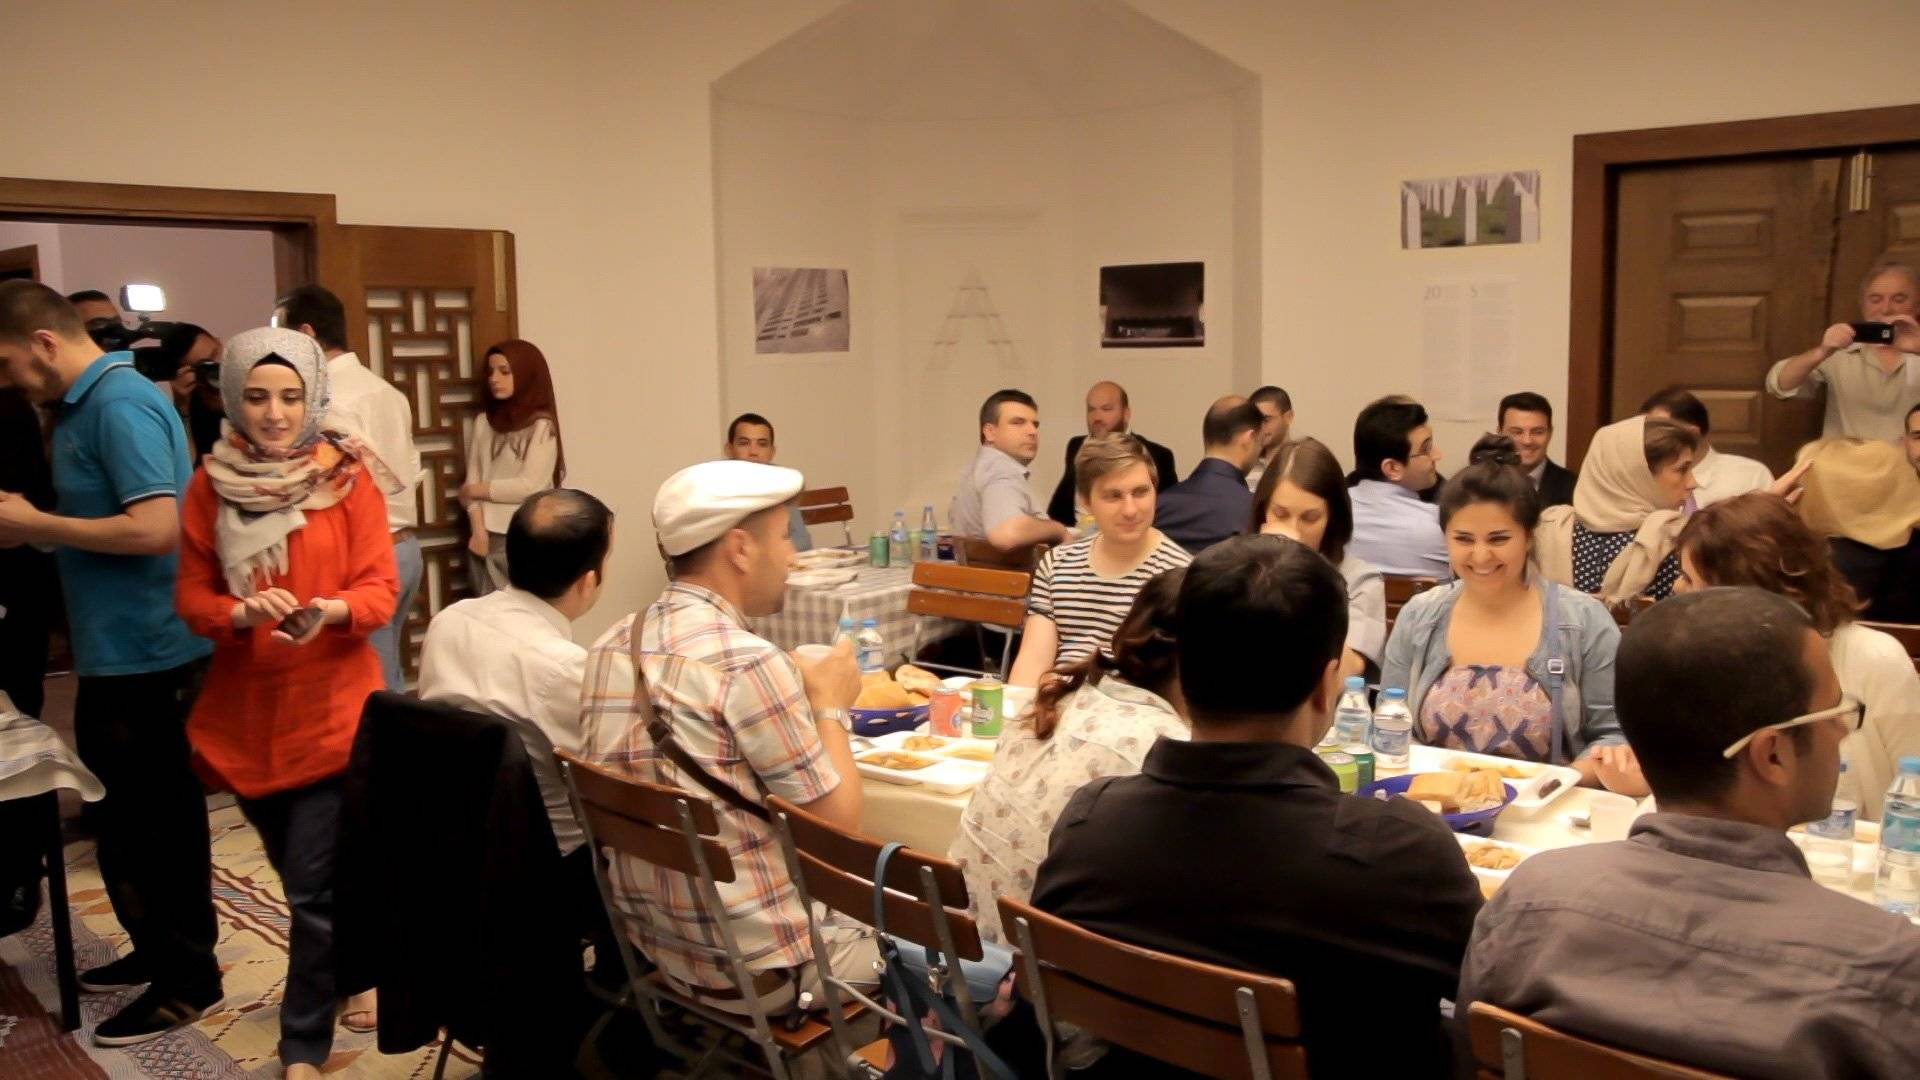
{"type": "Point", "coordinates": [272, 716]}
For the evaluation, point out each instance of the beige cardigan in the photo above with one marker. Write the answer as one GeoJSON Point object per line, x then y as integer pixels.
{"type": "Point", "coordinates": [510, 479]}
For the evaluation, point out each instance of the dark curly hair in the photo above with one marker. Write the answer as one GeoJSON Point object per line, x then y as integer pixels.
{"type": "Point", "coordinates": [1143, 652]}
{"type": "Point", "coordinates": [1493, 475]}
{"type": "Point", "coordinates": [1757, 539]}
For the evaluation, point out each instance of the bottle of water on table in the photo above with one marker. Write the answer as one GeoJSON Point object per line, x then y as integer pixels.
{"type": "Point", "coordinates": [1829, 847]}
{"type": "Point", "coordinates": [929, 537]}
{"type": "Point", "coordinates": [847, 628]}
{"type": "Point", "coordinates": [1896, 884]}
{"type": "Point", "coordinates": [1352, 719]}
{"type": "Point", "coordinates": [870, 647]}
{"type": "Point", "coordinates": [1392, 729]}
{"type": "Point", "coordinates": [899, 551]}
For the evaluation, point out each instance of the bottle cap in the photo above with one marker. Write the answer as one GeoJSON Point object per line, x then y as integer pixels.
{"type": "Point", "coordinates": [1355, 682]}
{"type": "Point", "coordinates": [1910, 763]}
{"type": "Point", "coordinates": [876, 622]}
{"type": "Point", "coordinates": [1396, 693]}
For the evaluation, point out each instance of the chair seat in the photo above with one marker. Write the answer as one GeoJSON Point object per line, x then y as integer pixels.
{"type": "Point", "coordinates": [799, 1041]}
{"type": "Point", "coordinates": [878, 1053]}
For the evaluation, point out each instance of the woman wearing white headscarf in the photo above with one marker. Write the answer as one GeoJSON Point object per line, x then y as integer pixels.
{"type": "Point", "coordinates": [1616, 540]}
{"type": "Point", "coordinates": [286, 565]}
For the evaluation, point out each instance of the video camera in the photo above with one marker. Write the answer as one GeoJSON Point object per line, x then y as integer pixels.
{"type": "Point", "coordinates": [159, 362]}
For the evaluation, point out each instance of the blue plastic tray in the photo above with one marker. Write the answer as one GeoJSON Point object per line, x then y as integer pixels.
{"type": "Point", "coordinates": [1480, 822]}
{"type": "Point", "coordinates": [871, 722]}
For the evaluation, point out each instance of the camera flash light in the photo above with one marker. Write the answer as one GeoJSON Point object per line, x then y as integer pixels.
{"type": "Point", "coordinates": [143, 296]}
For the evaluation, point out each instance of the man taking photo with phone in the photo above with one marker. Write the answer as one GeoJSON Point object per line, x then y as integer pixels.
{"type": "Point", "coordinates": [1870, 368]}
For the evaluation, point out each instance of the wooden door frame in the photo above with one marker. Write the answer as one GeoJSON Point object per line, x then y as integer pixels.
{"type": "Point", "coordinates": [307, 246]}
{"type": "Point", "coordinates": [1597, 162]}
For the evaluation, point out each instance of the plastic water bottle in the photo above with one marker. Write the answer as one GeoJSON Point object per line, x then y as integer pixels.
{"type": "Point", "coordinates": [1352, 719]}
{"type": "Point", "coordinates": [1896, 884]}
{"type": "Point", "coordinates": [847, 629]}
{"type": "Point", "coordinates": [1392, 729]}
{"type": "Point", "coordinates": [929, 537]}
{"type": "Point", "coordinates": [870, 647]}
{"type": "Point", "coordinates": [1829, 847]}
{"type": "Point", "coordinates": [899, 551]}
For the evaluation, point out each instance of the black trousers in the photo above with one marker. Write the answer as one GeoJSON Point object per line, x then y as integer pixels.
{"type": "Point", "coordinates": [156, 856]}
{"type": "Point", "coordinates": [300, 829]}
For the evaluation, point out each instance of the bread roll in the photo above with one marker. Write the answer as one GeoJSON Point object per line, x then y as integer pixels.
{"type": "Point", "coordinates": [1441, 787]}
{"type": "Point", "coordinates": [886, 694]}
{"type": "Point", "coordinates": [917, 680]}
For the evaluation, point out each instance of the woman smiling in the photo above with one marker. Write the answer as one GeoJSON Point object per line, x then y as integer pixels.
{"type": "Point", "coordinates": [1303, 495]}
{"type": "Point", "coordinates": [1502, 661]}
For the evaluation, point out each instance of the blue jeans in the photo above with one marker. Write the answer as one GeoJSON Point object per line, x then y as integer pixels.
{"type": "Point", "coordinates": [386, 640]}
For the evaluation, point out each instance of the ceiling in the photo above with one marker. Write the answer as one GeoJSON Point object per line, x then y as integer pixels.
{"type": "Point", "coordinates": [912, 60]}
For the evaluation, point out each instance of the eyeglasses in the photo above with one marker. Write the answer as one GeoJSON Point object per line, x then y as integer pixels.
{"type": "Point", "coordinates": [1849, 707]}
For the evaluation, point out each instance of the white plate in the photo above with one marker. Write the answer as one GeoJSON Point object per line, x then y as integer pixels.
{"type": "Point", "coordinates": [820, 579]}
{"type": "Point", "coordinates": [1527, 797]}
{"type": "Point", "coordinates": [826, 559]}
{"type": "Point", "coordinates": [1468, 842]}
{"type": "Point", "coordinates": [949, 776]}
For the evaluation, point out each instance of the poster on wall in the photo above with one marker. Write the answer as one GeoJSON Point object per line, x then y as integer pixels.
{"type": "Point", "coordinates": [1153, 305]}
{"type": "Point", "coordinates": [799, 310]}
{"type": "Point", "coordinates": [1464, 211]}
{"type": "Point", "coordinates": [1467, 356]}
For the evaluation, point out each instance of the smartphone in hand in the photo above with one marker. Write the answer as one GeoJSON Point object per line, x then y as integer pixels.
{"type": "Point", "coordinates": [1872, 333]}
{"type": "Point", "coordinates": [301, 622]}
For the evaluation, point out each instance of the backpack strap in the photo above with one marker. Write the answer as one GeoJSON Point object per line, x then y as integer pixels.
{"type": "Point", "coordinates": [662, 736]}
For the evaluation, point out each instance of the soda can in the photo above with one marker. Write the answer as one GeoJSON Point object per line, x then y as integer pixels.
{"type": "Point", "coordinates": [877, 550]}
{"type": "Point", "coordinates": [987, 697]}
{"type": "Point", "coordinates": [1363, 759]}
{"type": "Point", "coordinates": [943, 713]}
{"type": "Point", "coordinates": [1344, 769]}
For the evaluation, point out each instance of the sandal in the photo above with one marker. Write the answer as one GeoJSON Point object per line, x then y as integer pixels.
{"type": "Point", "coordinates": [361, 1020]}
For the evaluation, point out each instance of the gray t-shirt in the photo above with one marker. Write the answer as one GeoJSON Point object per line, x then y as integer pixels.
{"type": "Point", "coordinates": [993, 489]}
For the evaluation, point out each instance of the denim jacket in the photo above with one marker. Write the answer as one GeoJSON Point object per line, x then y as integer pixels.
{"type": "Point", "coordinates": [1581, 640]}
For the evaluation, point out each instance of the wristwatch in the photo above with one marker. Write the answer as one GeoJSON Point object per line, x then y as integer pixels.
{"type": "Point", "coordinates": [837, 714]}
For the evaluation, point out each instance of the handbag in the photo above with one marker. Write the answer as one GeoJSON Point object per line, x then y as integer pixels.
{"type": "Point", "coordinates": [906, 981]}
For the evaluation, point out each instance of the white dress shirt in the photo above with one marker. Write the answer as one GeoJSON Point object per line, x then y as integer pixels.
{"type": "Point", "coordinates": [511, 654]}
{"type": "Point", "coordinates": [1723, 476]}
{"type": "Point", "coordinates": [385, 417]}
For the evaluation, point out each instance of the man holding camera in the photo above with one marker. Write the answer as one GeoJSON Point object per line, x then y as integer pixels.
{"type": "Point", "coordinates": [1869, 368]}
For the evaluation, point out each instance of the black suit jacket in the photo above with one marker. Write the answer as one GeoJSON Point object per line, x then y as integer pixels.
{"type": "Point", "coordinates": [1060, 507]}
{"type": "Point", "coordinates": [1556, 485]}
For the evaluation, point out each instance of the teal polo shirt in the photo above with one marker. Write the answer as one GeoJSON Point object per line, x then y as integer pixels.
{"type": "Point", "coordinates": [117, 441]}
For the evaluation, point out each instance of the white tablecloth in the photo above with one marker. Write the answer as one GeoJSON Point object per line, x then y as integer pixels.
{"type": "Point", "coordinates": [812, 616]}
{"type": "Point", "coordinates": [33, 760]}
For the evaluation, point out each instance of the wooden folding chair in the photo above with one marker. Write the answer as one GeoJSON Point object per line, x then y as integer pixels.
{"type": "Point", "coordinates": [926, 904]}
{"type": "Point", "coordinates": [1508, 1046]}
{"type": "Point", "coordinates": [1401, 588]}
{"type": "Point", "coordinates": [1906, 634]}
{"type": "Point", "coordinates": [668, 828]}
{"type": "Point", "coordinates": [821, 506]}
{"type": "Point", "coordinates": [974, 551]}
{"type": "Point", "coordinates": [972, 594]}
{"type": "Point", "coordinates": [1212, 1020]}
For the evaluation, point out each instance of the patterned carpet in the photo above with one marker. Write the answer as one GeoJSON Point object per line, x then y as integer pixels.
{"type": "Point", "coordinates": [233, 1043]}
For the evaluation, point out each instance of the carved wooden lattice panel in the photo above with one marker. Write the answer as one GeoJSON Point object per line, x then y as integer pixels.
{"type": "Point", "coordinates": [421, 340]}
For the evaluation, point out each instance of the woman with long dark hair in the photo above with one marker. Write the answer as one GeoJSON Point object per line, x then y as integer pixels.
{"type": "Point", "coordinates": [1096, 717]}
{"type": "Point", "coordinates": [513, 453]}
{"type": "Point", "coordinates": [1302, 494]}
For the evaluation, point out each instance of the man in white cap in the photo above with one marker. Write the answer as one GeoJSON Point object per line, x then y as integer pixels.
{"type": "Point", "coordinates": [728, 717]}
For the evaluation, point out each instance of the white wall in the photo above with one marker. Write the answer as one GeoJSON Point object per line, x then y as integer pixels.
{"type": "Point", "coordinates": [591, 140]}
{"type": "Point", "coordinates": [220, 279]}
{"type": "Point", "coordinates": [45, 238]}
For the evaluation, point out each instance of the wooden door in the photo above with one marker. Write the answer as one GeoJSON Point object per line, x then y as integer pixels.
{"type": "Point", "coordinates": [1722, 269]}
{"type": "Point", "coordinates": [422, 307]}
{"type": "Point", "coordinates": [1880, 220]}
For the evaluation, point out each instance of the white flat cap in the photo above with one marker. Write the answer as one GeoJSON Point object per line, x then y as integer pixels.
{"type": "Point", "coordinates": [698, 504]}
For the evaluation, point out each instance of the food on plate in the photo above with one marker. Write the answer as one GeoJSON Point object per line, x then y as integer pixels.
{"type": "Point", "coordinates": [917, 680]}
{"type": "Point", "coordinates": [1492, 856]}
{"type": "Point", "coordinates": [1432, 805]}
{"type": "Point", "coordinates": [1509, 772]}
{"type": "Point", "coordinates": [893, 759]}
{"type": "Point", "coordinates": [922, 742]}
{"type": "Point", "coordinates": [1460, 792]}
{"type": "Point", "coordinates": [971, 752]}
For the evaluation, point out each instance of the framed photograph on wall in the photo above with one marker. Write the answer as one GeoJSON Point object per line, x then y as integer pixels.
{"type": "Point", "coordinates": [1467, 211]}
{"type": "Point", "coordinates": [800, 310]}
{"type": "Point", "coordinates": [1153, 306]}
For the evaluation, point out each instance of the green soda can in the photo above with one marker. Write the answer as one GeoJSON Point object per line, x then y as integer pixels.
{"type": "Point", "coordinates": [1363, 759]}
{"type": "Point", "coordinates": [877, 550]}
{"type": "Point", "coordinates": [1344, 768]}
{"type": "Point", "coordinates": [986, 710]}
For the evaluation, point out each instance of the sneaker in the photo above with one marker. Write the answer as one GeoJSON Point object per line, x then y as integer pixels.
{"type": "Point", "coordinates": [151, 1015]}
{"type": "Point", "coordinates": [127, 971]}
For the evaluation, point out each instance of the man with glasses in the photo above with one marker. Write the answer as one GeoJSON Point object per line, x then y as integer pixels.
{"type": "Point", "coordinates": [1701, 938]}
{"type": "Point", "coordinates": [1394, 462]}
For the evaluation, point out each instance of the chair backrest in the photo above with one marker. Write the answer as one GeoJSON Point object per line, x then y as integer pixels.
{"type": "Point", "coordinates": [1906, 634]}
{"type": "Point", "coordinates": [1508, 1046]}
{"type": "Point", "coordinates": [650, 822]}
{"type": "Point", "coordinates": [1207, 1019]}
{"type": "Point", "coordinates": [977, 552]}
{"type": "Point", "coordinates": [835, 868]}
{"type": "Point", "coordinates": [823, 506]}
{"type": "Point", "coordinates": [970, 594]}
{"type": "Point", "coordinates": [1401, 588]}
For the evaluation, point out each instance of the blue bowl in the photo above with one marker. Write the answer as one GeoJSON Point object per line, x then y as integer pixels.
{"type": "Point", "coordinates": [1480, 822]}
{"type": "Point", "coordinates": [872, 722]}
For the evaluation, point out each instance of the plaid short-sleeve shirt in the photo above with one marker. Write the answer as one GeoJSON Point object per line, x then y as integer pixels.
{"type": "Point", "coordinates": [737, 706]}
